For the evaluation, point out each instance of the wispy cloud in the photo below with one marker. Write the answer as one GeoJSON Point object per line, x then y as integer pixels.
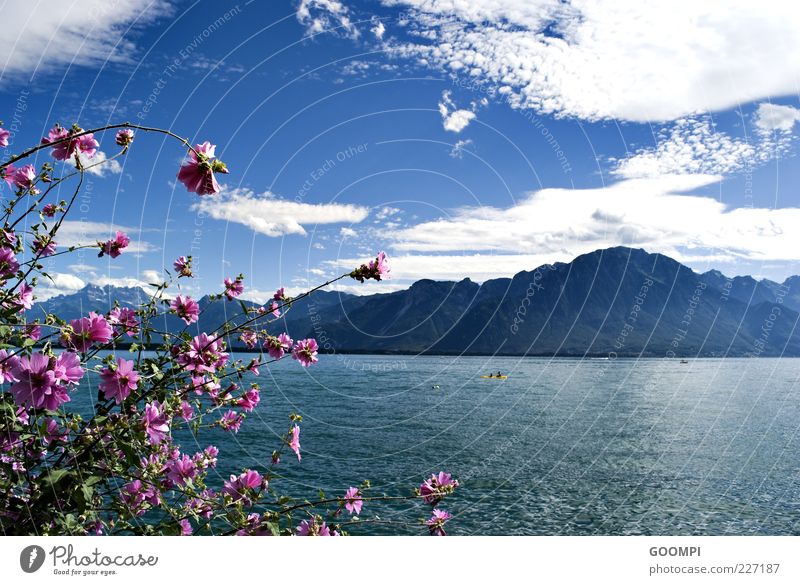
{"type": "Point", "coordinates": [326, 16]}
{"type": "Point", "coordinates": [268, 215]}
{"type": "Point", "coordinates": [77, 233]}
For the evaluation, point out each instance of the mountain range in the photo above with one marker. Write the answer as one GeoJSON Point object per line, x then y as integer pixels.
{"type": "Point", "coordinates": [618, 301]}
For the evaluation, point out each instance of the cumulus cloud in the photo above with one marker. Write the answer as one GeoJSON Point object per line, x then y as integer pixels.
{"type": "Point", "coordinates": [602, 59]}
{"type": "Point", "coordinates": [47, 35]}
{"type": "Point", "coordinates": [378, 28]}
{"type": "Point", "coordinates": [58, 284]}
{"type": "Point", "coordinates": [458, 148]}
{"type": "Point", "coordinates": [656, 213]}
{"type": "Point", "coordinates": [268, 215]}
{"type": "Point", "coordinates": [326, 16]}
{"type": "Point", "coordinates": [453, 118]}
{"type": "Point", "coordinates": [774, 117]}
{"type": "Point", "coordinates": [99, 165]}
{"type": "Point", "coordinates": [347, 232]}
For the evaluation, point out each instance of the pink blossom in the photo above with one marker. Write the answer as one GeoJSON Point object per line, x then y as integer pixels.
{"type": "Point", "coordinates": [253, 366]}
{"type": "Point", "coordinates": [183, 266]}
{"type": "Point", "coordinates": [186, 410]}
{"type": "Point", "coordinates": [204, 354]}
{"type": "Point", "coordinates": [62, 150]}
{"type": "Point", "coordinates": [249, 338]}
{"type": "Point", "coordinates": [114, 246]}
{"type": "Point", "coordinates": [238, 487]}
{"type": "Point", "coordinates": [87, 145]}
{"type": "Point", "coordinates": [436, 487]}
{"type": "Point", "coordinates": [294, 441]}
{"type": "Point", "coordinates": [274, 309]}
{"type": "Point", "coordinates": [186, 308]}
{"type": "Point", "coordinates": [135, 495]}
{"type": "Point", "coordinates": [305, 352]}
{"type": "Point", "coordinates": [209, 457]}
{"type": "Point", "coordinates": [52, 432]}
{"type": "Point", "coordinates": [4, 134]}
{"type": "Point", "coordinates": [249, 400]}
{"type": "Point", "coordinates": [67, 368]}
{"type": "Point", "coordinates": [50, 209]}
{"type": "Point", "coordinates": [7, 365]}
{"type": "Point", "coordinates": [36, 384]}
{"type": "Point", "coordinates": [118, 382]}
{"type": "Point", "coordinates": [124, 319]}
{"type": "Point", "coordinates": [377, 269]}
{"type": "Point", "coordinates": [436, 522]}
{"type": "Point", "coordinates": [155, 423]}
{"type": "Point", "coordinates": [277, 347]}
{"type": "Point", "coordinates": [8, 263]}
{"type": "Point", "coordinates": [353, 501]}
{"type": "Point", "coordinates": [181, 470]}
{"type": "Point", "coordinates": [25, 178]}
{"type": "Point", "coordinates": [124, 137]}
{"type": "Point", "coordinates": [314, 528]}
{"type": "Point", "coordinates": [186, 527]}
{"type": "Point", "coordinates": [86, 331]}
{"type": "Point", "coordinates": [8, 174]}
{"type": "Point", "coordinates": [24, 298]}
{"type": "Point", "coordinates": [233, 288]}
{"type": "Point", "coordinates": [231, 421]}
{"type": "Point", "coordinates": [32, 331]}
{"type": "Point", "coordinates": [44, 246]}
{"type": "Point", "coordinates": [197, 172]}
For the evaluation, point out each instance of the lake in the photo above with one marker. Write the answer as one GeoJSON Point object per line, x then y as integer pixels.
{"type": "Point", "coordinates": [563, 446]}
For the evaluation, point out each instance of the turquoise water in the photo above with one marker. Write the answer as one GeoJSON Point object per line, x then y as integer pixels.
{"type": "Point", "coordinates": [564, 446]}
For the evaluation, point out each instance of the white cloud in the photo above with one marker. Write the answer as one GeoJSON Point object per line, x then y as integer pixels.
{"type": "Point", "coordinates": [326, 16]}
{"type": "Point", "coordinates": [100, 165]}
{"type": "Point", "coordinates": [77, 233]}
{"type": "Point", "coordinates": [603, 59]}
{"type": "Point", "coordinates": [559, 224]}
{"type": "Point", "coordinates": [61, 284]}
{"type": "Point", "coordinates": [275, 217]}
{"type": "Point", "coordinates": [453, 118]}
{"type": "Point", "coordinates": [152, 276]}
{"type": "Point", "coordinates": [458, 148]}
{"type": "Point", "coordinates": [378, 28]}
{"type": "Point", "coordinates": [347, 232]}
{"type": "Point", "coordinates": [47, 35]}
{"type": "Point", "coordinates": [774, 117]}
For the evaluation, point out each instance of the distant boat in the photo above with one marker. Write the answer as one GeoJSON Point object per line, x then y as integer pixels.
{"type": "Point", "coordinates": [684, 361]}
{"type": "Point", "coordinates": [495, 377]}
{"type": "Point", "coordinates": [435, 387]}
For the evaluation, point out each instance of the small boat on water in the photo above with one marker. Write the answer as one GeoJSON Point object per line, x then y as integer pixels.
{"type": "Point", "coordinates": [495, 377]}
{"type": "Point", "coordinates": [684, 361]}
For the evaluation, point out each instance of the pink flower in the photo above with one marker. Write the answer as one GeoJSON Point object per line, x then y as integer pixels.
{"type": "Point", "coordinates": [436, 487]}
{"type": "Point", "coordinates": [353, 501]}
{"type": "Point", "coordinates": [197, 172]}
{"type": "Point", "coordinates": [8, 174]}
{"type": "Point", "coordinates": [314, 528]}
{"type": "Point", "coordinates": [249, 338]}
{"type": "Point", "coordinates": [32, 331]}
{"type": "Point", "coordinates": [135, 495]}
{"type": "Point", "coordinates": [305, 352]}
{"type": "Point", "coordinates": [249, 400]}
{"type": "Point", "coordinates": [294, 441]}
{"type": "Point", "coordinates": [119, 382]}
{"type": "Point", "coordinates": [278, 346]}
{"type": "Point", "coordinates": [8, 263]}
{"type": "Point", "coordinates": [44, 246]}
{"type": "Point", "coordinates": [36, 384]}
{"type": "Point", "coordinates": [124, 137]}
{"type": "Point", "coordinates": [375, 269]}
{"type": "Point", "coordinates": [183, 266]}
{"type": "Point", "coordinates": [186, 527]}
{"type": "Point", "coordinates": [7, 365]}
{"type": "Point", "coordinates": [52, 432]}
{"type": "Point", "coordinates": [181, 470]}
{"type": "Point", "coordinates": [4, 134]}
{"type": "Point", "coordinates": [67, 368]}
{"type": "Point", "coordinates": [238, 487]}
{"type": "Point", "coordinates": [50, 209]}
{"type": "Point", "coordinates": [62, 150]}
{"type": "Point", "coordinates": [274, 309]}
{"type": "Point", "coordinates": [24, 298]}
{"type": "Point", "coordinates": [25, 178]}
{"type": "Point", "coordinates": [87, 145]}
{"type": "Point", "coordinates": [233, 288]}
{"type": "Point", "coordinates": [186, 410]}
{"type": "Point", "coordinates": [204, 354]}
{"type": "Point", "coordinates": [253, 366]}
{"type": "Point", "coordinates": [87, 331]}
{"type": "Point", "coordinates": [436, 522]}
{"type": "Point", "coordinates": [186, 308]}
{"type": "Point", "coordinates": [231, 421]}
{"type": "Point", "coordinates": [155, 423]}
{"type": "Point", "coordinates": [114, 247]}
{"type": "Point", "coordinates": [124, 319]}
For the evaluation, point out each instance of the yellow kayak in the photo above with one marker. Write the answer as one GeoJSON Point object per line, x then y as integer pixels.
{"type": "Point", "coordinates": [495, 377]}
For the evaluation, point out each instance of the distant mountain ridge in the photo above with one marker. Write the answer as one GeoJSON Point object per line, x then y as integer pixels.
{"type": "Point", "coordinates": [618, 301]}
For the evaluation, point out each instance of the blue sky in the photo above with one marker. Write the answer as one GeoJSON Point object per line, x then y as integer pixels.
{"type": "Point", "coordinates": [466, 138]}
